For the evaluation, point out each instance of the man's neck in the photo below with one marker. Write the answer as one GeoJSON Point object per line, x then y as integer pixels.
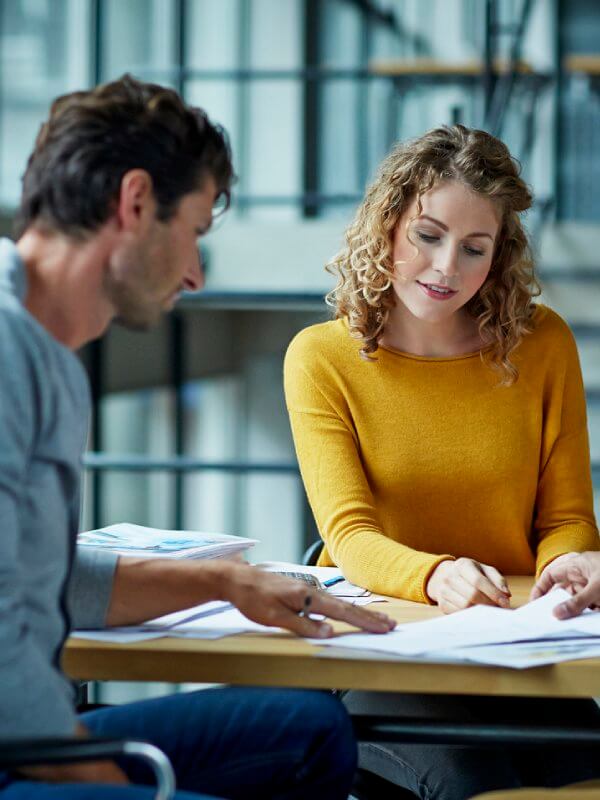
{"type": "Point", "coordinates": [64, 284]}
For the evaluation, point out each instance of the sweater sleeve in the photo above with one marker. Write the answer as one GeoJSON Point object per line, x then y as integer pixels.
{"type": "Point", "coordinates": [564, 516]}
{"type": "Point", "coordinates": [32, 696]}
{"type": "Point", "coordinates": [338, 489]}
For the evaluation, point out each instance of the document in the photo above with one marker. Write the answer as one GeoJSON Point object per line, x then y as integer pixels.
{"type": "Point", "coordinates": [523, 655]}
{"type": "Point", "coordinates": [137, 540]}
{"type": "Point", "coordinates": [340, 589]}
{"type": "Point", "coordinates": [463, 634]}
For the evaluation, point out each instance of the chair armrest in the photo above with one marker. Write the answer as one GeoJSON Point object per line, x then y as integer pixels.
{"type": "Point", "coordinates": [27, 752]}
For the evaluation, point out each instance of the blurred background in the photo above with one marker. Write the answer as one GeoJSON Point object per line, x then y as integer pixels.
{"type": "Point", "coordinates": [190, 428]}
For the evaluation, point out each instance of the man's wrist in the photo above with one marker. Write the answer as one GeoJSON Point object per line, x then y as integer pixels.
{"type": "Point", "coordinates": [225, 577]}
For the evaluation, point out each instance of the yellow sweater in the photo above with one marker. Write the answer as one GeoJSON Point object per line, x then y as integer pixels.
{"type": "Point", "coordinates": [408, 460]}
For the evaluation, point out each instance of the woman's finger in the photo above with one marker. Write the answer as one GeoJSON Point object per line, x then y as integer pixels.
{"type": "Point", "coordinates": [452, 600]}
{"type": "Point", "coordinates": [496, 577]}
{"type": "Point", "coordinates": [471, 593]}
{"type": "Point", "coordinates": [472, 572]}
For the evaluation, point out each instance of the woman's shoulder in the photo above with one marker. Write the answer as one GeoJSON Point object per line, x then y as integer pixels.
{"type": "Point", "coordinates": [550, 343]}
{"type": "Point", "coordinates": [549, 326]}
{"type": "Point", "coordinates": [325, 338]}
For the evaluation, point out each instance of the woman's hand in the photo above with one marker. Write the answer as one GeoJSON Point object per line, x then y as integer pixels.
{"type": "Point", "coordinates": [455, 585]}
{"type": "Point", "coordinates": [578, 573]}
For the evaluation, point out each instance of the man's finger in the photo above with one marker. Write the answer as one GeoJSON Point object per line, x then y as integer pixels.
{"type": "Point", "coordinates": [550, 577]}
{"type": "Point", "coordinates": [305, 626]}
{"type": "Point", "coordinates": [331, 607]}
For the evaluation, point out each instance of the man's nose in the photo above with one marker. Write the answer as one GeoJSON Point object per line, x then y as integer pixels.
{"type": "Point", "coordinates": [193, 279]}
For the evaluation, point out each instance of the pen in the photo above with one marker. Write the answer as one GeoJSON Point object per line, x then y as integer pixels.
{"type": "Point", "coordinates": [333, 581]}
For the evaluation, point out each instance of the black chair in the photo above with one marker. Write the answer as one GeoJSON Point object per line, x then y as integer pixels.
{"type": "Point", "coordinates": [367, 785]}
{"type": "Point", "coordinates": [312, 553]}
{"type": "Point", "coordinates": [31, 752]}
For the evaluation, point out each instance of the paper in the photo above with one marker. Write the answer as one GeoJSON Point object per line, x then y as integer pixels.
{"type": "Point", "coordinates": [476, 626]}
{"type": "Point", "coordinates": [523, 655]}
{"type": "Point", "coordinates": [132, 634]}
{"type": "Point", "coordinates": [228, 622]}
{"type": "Point", "coordinates": [140, 541]}
{"type": "Point", "coordinates": [187, 614]}
{"type": "Point", "coordinates": [119, 635]}
{"type": "Point", "coordinates": [342, 589]}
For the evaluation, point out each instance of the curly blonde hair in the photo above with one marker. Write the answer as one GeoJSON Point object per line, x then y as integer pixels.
{"type": "Point", "coordinates": [503, 307]}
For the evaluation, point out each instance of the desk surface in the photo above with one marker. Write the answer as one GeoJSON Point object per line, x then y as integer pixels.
{"type": "Point", "coordinates": [284, 660]}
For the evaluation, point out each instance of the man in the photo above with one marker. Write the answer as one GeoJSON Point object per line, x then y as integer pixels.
{"type": "Point", "coordinates": [121, 183]}
{"type": "Point", "coordinates": [577, 572]}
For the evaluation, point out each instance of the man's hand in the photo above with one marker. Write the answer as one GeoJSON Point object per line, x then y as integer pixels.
{"type": "Point", "coordinates": [579, 573]}
{"type": "Point", "coordinates": [455, 585]}
{"type": "Point", "coordinates": [276, 600]}
{"type": "Point", "coordinates": [86, 772]}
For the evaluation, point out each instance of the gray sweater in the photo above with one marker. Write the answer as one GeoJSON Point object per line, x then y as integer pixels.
{"type": "Point", "coordinates": [44, 409]}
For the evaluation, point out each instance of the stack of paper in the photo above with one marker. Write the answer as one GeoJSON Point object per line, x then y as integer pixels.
{"type": "Point", "coordinates": [136, 540]}
{"type": "Point", "coordinates": [528, 636]}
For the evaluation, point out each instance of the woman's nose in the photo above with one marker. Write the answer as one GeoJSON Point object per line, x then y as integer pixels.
{"type": "Point", "coordinates": [447, 262]}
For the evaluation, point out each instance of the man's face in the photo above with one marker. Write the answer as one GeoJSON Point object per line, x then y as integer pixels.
{"type": "Point", "coordinates": [147, 274]}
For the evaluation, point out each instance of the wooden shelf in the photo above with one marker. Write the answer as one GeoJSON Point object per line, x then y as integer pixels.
{"type": "Point", "coordinates": [430, 67]}
{"type": "Point", "coordinates": [587, 64]}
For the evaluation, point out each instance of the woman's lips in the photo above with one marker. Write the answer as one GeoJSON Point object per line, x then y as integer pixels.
{"type": "Point", "coordinates": [435, 291]}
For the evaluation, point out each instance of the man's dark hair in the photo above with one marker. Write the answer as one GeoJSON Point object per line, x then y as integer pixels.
{"type": "Point", "coordinates": [92, 138]}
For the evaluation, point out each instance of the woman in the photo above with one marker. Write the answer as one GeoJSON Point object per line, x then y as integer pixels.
{"type": "Point", "coordinates": [440, 421]}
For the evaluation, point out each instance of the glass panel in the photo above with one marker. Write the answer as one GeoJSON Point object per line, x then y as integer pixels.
{"type": "Point", "coordinates": [273, 166]}
{"type": "Point", "coordinates": [211, 34]}
{"type": "Point", "coordinates": [42, 54]}
{"type": "Point", "coordinates": [139, 36]}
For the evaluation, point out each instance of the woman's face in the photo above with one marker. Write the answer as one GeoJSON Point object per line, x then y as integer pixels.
{"type": "Point", "coordinates": [445, 252]}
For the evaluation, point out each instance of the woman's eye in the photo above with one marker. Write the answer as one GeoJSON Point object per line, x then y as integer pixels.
{"type": "Point", "coordinates": [473, 251]}
{"type": "Point", "coordinates": [427, 237]}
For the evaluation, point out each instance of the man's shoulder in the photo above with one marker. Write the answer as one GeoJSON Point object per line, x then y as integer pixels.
{"type": "Point", "coordinates": [20, 336]}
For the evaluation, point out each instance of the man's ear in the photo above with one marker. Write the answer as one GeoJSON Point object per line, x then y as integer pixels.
{"type": "Point", "coordinates": [136, 205]}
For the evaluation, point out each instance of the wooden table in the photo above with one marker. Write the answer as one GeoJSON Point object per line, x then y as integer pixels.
{"type": "Point", "coordinates": [284, 660]}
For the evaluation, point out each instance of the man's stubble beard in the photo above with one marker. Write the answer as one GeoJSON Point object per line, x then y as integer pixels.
{"type": "Point", "coordinates": [127, 297]}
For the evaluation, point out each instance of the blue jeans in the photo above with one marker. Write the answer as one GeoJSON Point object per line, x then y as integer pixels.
{"type": "Point", "coordinates": [227, 743]}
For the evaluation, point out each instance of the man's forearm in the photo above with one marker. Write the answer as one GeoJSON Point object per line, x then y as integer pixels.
{"type": "Point", "coordinates": [148, 588]}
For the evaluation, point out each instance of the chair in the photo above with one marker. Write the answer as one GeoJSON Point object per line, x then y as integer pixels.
{"type": "Point", "coordinates": [312, 553]}
{"type": "Point", "coordinates": [29, 752]}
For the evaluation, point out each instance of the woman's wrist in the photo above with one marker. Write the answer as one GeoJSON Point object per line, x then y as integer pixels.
{"type": "Point", "coordinates": [436, 578]}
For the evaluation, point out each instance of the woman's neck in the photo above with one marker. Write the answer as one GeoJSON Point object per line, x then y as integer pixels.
{"type": "Point", "coordinates": [456, 335]}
